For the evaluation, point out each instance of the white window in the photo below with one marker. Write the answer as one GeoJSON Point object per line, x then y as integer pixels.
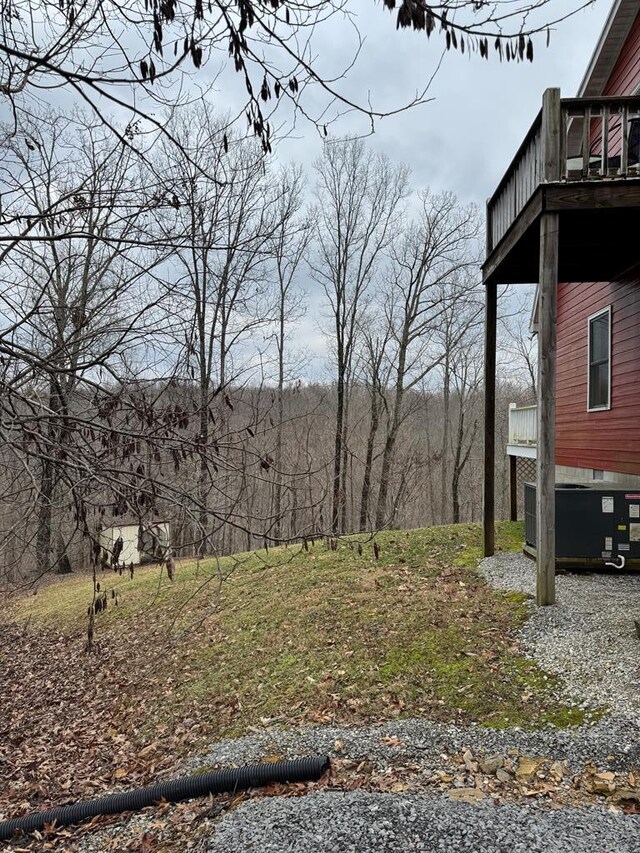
{"type": "Point", "coordinates": [599, 393]}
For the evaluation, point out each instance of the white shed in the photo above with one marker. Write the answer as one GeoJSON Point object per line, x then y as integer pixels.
{"type": "Point", "coordinates": [152, 543]}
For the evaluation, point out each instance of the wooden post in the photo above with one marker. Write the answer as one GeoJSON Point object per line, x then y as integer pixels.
{"type": "Point", "coordinates": [550, 135]}
{"type": "Point", "coordinates": [488, 505]}
{"type": "Point", "coordinates": [547, 311]}
{"type": "Point", "coordinates": [546, 455]}
{"type": "Point", "coordinates": [513, 488]}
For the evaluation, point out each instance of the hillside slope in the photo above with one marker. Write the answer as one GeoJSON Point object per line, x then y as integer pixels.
{"type": "Point", "coordinates": [287, 637]}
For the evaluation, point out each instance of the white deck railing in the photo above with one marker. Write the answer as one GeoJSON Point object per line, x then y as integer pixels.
{"type": "Point", "coordinates": [523, 425]}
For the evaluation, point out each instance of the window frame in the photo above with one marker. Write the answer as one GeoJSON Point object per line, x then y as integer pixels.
{"type": "Point", "coordinates": [607, 406]}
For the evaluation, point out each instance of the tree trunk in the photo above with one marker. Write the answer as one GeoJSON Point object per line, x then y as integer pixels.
{"type": "Point", "coordinates": [43, 537]}
{"type": "Point", "coordinates": [63, 563]}
{"type": "Point", "coordinates": [446, 397]}
{"type": "Point", "coordinates": [385, 474]}
{"type": "Point", "coordinates": [392, 435]}
{"type": "Point", "coordinates": [458, 465]}
{"type": "Point", "coordinates": [344, 465]}
{"type": "Point", "coordinates": [203, 477]}
{"type": "Point", "coordinates": [277, 501]}
{"type": "Point", "coordinates": [337, 458]}
{"type": "Point", "coordinates": [47, 484]}
{"type": "Point", "coordinates": [430, 478]}
{"type": "Point", "coordinates": [368, 464]}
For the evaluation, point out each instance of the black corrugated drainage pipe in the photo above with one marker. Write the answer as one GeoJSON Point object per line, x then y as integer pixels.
{"type": "Point", "coordinates": [214, 782]}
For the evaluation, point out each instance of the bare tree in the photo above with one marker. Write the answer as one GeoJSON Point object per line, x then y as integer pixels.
{"type": "Point", "coordinates": [358, 204]}
{"type": "Point", "coordinates": [291, 239]}
{"type": "Point", "coordinates": [71, 305]}
{"type": "Point", "coordinates": [427, 277]}
{"type": "Point", "coordinates": [221, 234]}
{"type": "Point", "coordinates": [375, 336]}
{"type": "Point", "coordinates": [465, 365]}
{"type": "Point", "coordinates": [519, 342]}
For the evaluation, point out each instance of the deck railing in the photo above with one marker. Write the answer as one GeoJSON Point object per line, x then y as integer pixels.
{"type": "Point", "coordinates": [517, 186]}
{"type": "Point", "coordinates": [523, 425]}
{"type": "Point", "coordinates": [573, 139]}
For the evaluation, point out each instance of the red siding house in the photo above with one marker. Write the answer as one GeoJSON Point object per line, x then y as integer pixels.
{"type": "Point", "coordinates": [603, 440]}
{"type": "Point", "coordinates": [566, 215]}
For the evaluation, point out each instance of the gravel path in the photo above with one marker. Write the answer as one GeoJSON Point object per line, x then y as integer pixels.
{"type": "Point", "coordinates": [610, 743]}
{"type": "Point", "coordinates": [361, 822]}
{"type": "Point", "coordinates": [588, 637]}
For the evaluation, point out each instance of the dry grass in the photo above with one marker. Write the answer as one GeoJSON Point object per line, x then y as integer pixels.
{"type": "Point", "coordinates": [317, 636]}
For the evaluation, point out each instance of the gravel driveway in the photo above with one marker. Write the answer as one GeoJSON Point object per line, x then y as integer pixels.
{"type": "Point", "coordinates": [361, 822]}
{"type": "Point", "coordinates": [588, 637]}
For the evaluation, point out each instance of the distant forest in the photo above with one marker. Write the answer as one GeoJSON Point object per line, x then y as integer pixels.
{"type": "Point", "coordinates": [152, 352]}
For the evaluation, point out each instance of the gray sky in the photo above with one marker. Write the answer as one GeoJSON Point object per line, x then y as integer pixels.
{"type": "Point", "coordinates": [464, 139]}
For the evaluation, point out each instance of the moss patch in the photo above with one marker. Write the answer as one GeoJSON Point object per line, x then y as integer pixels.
{"type": "Point", "coordinates": [317, 636]}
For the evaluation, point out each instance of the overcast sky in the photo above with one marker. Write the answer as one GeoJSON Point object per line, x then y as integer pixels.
{"type": "Point", "coordinates": [462, 140]}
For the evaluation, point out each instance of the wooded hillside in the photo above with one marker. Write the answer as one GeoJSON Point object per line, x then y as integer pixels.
{"type": "Point", "coordinates": [153, 354]}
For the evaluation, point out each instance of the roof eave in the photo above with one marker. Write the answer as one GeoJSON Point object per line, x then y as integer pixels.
{"type": "Point", "coordinates": [614, 34]}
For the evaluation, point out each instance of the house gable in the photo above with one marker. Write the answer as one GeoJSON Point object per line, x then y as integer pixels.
{"type": "Point", "coordinates": [625, 76]}
{"type": "Point", "coordinates": [603, 75]}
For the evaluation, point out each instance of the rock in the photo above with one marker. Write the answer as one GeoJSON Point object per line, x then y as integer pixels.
{"type": "Point", "coordinates": [491, 764]}
{"type": "Point", "coordinates": [599, 786]}
{"type": "Point", "coordinates": [469, 763]}
{"type": "Point", "coordinates": [503, 775]}
{"type": "Point", "coordinates": [606, 777]}
{"type": "Point", "coordinates": [444, 776]}
{"type": "Point", "coordinates": [527, 768]}
{"type": "Point", "coordinates": [467, 795]}
{"type": "Point", "coordinates": [626, 794]}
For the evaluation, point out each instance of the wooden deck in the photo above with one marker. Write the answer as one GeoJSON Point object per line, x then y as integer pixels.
{"type": "Point", "coordinates": [581, 161]}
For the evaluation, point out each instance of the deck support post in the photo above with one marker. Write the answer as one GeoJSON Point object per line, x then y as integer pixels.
{"type": "Point", "coordinates": [547, 311]}
{"type": "Point", "coordinates": [546, 455]}
{"type": "Point", "coordinates": [513, 488]}
{"type": "Point", "coordinates": [488, 503]}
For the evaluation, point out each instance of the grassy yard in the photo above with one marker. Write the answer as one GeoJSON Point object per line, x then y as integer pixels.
{"type": "Point", "coordinates": [291, 636]}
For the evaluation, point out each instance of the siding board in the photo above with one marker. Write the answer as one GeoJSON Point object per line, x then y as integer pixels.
{"type": "Point", "coordinates": [610, 439]}
{"type": "Point", "coordinates": [625, 77]}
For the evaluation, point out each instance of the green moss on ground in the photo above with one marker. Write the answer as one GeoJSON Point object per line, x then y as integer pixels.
{"type": "Point", "coordinates": [295, 636]}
